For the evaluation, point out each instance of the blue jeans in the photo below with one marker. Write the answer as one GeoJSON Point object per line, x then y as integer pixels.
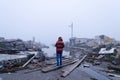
{"type": "Point", "coordinates": [59, 59]}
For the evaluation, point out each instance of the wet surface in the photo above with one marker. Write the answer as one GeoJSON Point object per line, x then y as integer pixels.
{"type": "Point", "coordinates": [94, 74]}
{"type": "Point", "coordinates": [38, 75]}
{"type": "Point", "coordinates": [0, 78]}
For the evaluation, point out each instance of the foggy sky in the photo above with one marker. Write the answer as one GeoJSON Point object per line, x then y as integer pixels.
{"type": "Point", "coordinates": [48, 19]}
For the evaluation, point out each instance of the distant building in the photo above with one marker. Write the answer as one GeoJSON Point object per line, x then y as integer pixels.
{"type": "Point", "coordinates": [104, 40]}
{"type": "Point", "coordinates": [82, 42]}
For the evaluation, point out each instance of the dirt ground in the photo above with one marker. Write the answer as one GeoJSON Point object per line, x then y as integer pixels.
{"type": "Point", "coordinates": [80, 73]}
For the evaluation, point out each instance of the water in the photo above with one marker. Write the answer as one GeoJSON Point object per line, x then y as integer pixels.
{"type": "Point", "coordinates": [8, 57]}
{"type": "Point", "coordinates": [51, 51]}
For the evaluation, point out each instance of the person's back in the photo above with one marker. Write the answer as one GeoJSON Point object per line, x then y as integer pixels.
{"type": "Point", "coordinates": [59, 49]}
{"type": "Point", "coordinates": [59, 45]}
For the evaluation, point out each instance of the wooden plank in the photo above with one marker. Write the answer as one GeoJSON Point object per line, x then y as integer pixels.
{"type": "Point", "coordinates": [54, 62]}
{"type": "Point", "coordinates": [54, 67]}
{"type": "Point", "coordinates": [72, 67]}
{"type": "Point", "coordinates": [29, 61]}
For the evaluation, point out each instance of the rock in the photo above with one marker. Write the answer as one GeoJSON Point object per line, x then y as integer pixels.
{"type": "Point", "coordinates": [86, 65]}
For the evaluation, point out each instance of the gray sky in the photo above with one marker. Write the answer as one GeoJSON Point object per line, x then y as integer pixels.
{"type": "Point", "coordinates": [48, 19]}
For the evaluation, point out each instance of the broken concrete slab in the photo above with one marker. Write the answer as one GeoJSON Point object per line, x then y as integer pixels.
{"type": "Point", "coordinates": [10, 57]}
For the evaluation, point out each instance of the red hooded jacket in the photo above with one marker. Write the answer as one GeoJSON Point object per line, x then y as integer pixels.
{"type": "Point", "coordinates": [59, 45]}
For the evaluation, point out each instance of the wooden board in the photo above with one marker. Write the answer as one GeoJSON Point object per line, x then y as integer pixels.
{"type": "Point", "coordinates": [29, 61]}
{"type": "Point", "coordinates": [54, 62]}
{"type": "Point", "coordinates": [54, 67]}
{"type": "Point", "coordinates": [72, 67]}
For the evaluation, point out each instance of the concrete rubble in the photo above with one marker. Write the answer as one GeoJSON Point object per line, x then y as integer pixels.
{"type": "Point", "coordinates": [16, 52]}
{"type": "Point", "coordinates": [101, 49]}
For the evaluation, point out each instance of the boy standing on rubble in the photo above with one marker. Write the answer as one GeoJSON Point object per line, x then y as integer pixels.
{"type": "Point", "coordinates": [59, 49]}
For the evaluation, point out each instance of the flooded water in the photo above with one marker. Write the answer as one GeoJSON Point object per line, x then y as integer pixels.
{"type": "Point", "coordinates": [51, 51]}
{"type": "Point", "coordinates": [8, 57]}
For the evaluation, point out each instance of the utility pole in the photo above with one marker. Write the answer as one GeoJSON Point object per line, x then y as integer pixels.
{"type": "Point", "coordinates": [71, 26]}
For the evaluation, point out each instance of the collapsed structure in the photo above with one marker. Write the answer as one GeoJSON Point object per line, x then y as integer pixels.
{"type": "Point", "coordinates": [16, 52]}
{"type": "Point", "coordinates": [100, 45]}
{"type": "Point", "coordinates": [93, 52]}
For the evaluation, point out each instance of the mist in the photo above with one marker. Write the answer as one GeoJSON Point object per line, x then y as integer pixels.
{"type": "Point", "coordinates": [46, 20]}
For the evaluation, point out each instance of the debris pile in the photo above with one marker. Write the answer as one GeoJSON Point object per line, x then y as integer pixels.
{"type": "Point", "coordinates": [101, 52]}
{"type": "Point", "coordinates": [102, 49]}
{"type": "Point", "coordinates": [16, 52]}
{"type": "Point", "coordinates": [13, 45]}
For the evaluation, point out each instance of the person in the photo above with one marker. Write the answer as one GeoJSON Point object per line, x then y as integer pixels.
{"type": "Point", "coordinates": [59, 50]}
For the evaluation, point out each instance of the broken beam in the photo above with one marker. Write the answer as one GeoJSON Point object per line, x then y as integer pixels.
{"type": "Point", "coordinates": [72, 67]}
{"type": "Point", "coordinates": [54, 67]}
{"type": "Point", "coordinates": [29, 61]}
